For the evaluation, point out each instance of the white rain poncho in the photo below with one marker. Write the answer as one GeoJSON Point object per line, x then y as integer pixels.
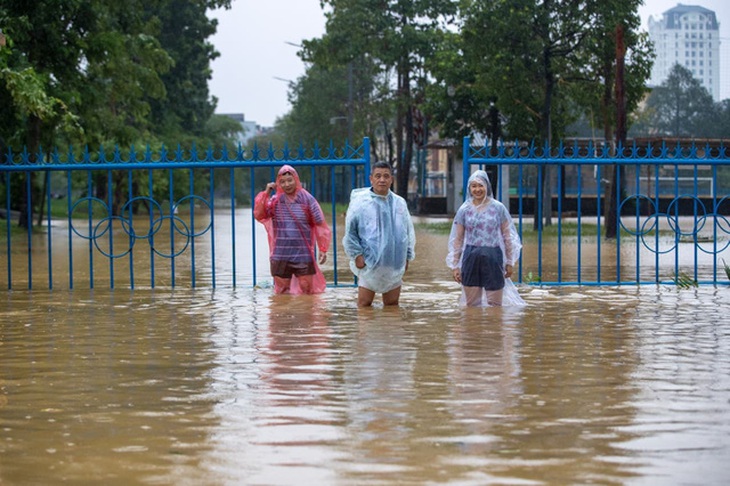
{"type": "Point", "coordinates": [380, 229]}
{"type": "Point", "coordinates": [479, 229]}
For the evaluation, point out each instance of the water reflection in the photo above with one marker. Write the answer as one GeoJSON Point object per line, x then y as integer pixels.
{"type": "Point", "coordinates": [584, 385]}
{"type": "Point", "coordinates": [96, 384]}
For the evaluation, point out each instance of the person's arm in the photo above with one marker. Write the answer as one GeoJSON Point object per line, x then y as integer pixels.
{"type": "Point", "coordinates": [318, 224]}
{"type": "Point", "coordinates": [507, 238]}
{"type": "Point", "coordinates": [262, 203]}
{"type": "Point", "coordinates": [351, 240]}
{"type": "Point", "coordinates": [456, 243]}
{"type": "Point", "coordinates": [411, 253]}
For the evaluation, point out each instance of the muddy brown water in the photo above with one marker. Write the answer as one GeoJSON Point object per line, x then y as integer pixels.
{"type": "Point", "coordinates": [585, 385]}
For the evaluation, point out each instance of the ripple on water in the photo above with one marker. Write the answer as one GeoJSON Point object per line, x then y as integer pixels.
{"type": "Point", "coordinates": [624, 385]}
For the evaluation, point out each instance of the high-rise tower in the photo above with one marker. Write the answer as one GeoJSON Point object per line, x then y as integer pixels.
{"type": "Point", "coordinates": [688, 35]}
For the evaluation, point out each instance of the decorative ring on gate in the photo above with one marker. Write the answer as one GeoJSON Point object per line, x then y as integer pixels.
{"type": "Point", "coordinates": [638, 198]}
{"type": "Point", "coordinates": [655, 227]}
{"type": "Point", "coordinates": [651, 224]}
{"type": "Point", "coordinates": [673, 221]}
{"type": "Point", "coordinates": [96, 235]}
{"type": "Point", "coordinates": [152, 207]}
{"type": "Point", "coordinates": [719, 219]}
{"type": "Point", "coordinates": [193, 197]}
{"type": "Point", "coordinates": [186, 234]}
{"type": "Point", "coordinates": [89, 200]}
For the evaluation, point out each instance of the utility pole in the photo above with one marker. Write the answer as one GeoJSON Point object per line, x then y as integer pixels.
{"type": "Point", "coordinates": [350, 97]}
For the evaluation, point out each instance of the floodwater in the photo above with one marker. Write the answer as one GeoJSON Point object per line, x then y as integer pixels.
{"type": "Point", "coordinates": [585, 385]}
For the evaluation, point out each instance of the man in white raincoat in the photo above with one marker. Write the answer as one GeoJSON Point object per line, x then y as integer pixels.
{"type": "Point", "coordinates": [379, 238]}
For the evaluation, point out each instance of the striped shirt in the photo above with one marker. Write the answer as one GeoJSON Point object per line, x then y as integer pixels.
{"type": "Point", "coordinates": [292, 223]}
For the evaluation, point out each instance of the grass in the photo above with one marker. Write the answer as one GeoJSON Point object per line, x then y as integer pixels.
{"type": "Point", "coordinates": [442, 227]}
{"type": "Point", "coordinates": [567, 229]}
{"type": "Point", "coordinates": [684, 281]}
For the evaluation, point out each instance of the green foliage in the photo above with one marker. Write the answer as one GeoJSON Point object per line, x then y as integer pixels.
{"type": "Point", "coordinates": [684, 281]}
{"type": "Point", "coordinates": [104, 74]}
{"type": "Point", "coordinates": [594, 83]}
{"type": "Point", "coordinates": [680, 106]}
{"type": "Point", "coordinates": [392, 39]}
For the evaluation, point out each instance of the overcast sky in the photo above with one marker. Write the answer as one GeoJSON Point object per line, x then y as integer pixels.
{"type": "Point", "coordinates": [254, 40]}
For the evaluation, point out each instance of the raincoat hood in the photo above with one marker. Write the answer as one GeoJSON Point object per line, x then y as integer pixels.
{"type": "Point", "coordinates": [482, 178]}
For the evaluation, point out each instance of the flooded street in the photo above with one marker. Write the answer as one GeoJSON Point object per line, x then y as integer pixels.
{"type": "Point", "coordinates": [586, 385]}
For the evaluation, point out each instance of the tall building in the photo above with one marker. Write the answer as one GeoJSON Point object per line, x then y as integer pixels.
{"type": "Point", "coordinates": [688, 35]}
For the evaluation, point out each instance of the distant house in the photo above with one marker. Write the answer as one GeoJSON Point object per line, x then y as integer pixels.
{"type": "Point", "coordinates": [249, 128]}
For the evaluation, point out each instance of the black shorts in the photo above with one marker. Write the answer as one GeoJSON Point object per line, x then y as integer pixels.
{"type": "Point", "coordinates": [481, 266]}
{"type": "Point", "coordinates": [285, 268]}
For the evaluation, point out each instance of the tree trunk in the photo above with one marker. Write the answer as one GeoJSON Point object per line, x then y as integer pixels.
{"type": "Point", "coordinates": [614, 193]}
{"type": "Point", "coordinates": [33, 141]}
{"type": "Point", "coordinates": [545, 210]}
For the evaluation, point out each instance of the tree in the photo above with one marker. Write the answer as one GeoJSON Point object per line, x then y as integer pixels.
{"type": "Point", "coordinates": [319, 107]}
{"type": "Point", "coordinates": [595, 81]}
{"type": "Point", "coordinates": [184, 30]}
{"type": "Point", "coordinates": [96, 69]}
{"type": "Point", "coordinates": [398, 35]}
{"type": "Point", "coordinates": [679, 106]}
{"type": "Point", "coordinates": [48, 40]}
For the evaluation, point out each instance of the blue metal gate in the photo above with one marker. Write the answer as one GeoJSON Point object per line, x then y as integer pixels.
{"type": "Point", "coordinates": [156, 219]}
{"type": "Point", "coordinates": [175, 218]}
{"type": "Point", "coordinates": [672, 211]}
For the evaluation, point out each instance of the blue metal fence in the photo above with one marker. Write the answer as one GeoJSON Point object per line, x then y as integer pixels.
{"type": "Point", "coordinates": [140, 218]}
{"type": "Point", "coordinates": [672, 219]}
{"type": "Point", "coordinates": [176, 218]}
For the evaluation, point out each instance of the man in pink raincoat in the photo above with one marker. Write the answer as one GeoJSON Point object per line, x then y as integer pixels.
{"type": "Point", "coordinates": [296, 227]}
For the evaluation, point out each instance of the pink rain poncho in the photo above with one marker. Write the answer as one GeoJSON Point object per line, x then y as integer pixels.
{"type": "Point", "coordinates": [381, 230]}
{"type": "Point", "coordinates": [482, 242]}
{"type": "Point", "coordinates": [295, 226]}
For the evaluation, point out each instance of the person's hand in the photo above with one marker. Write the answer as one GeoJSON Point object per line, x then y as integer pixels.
{"type": "Point", "coordinates": [322, 258]}
{"type": "Point", "coordinates": [360, 261]}
{"type": "Point", "coordinates": [507, 271]}
{"type": "Point", "coordinates": [271, 186]}
{"type": "Point", "coordinates": [457, 274]}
